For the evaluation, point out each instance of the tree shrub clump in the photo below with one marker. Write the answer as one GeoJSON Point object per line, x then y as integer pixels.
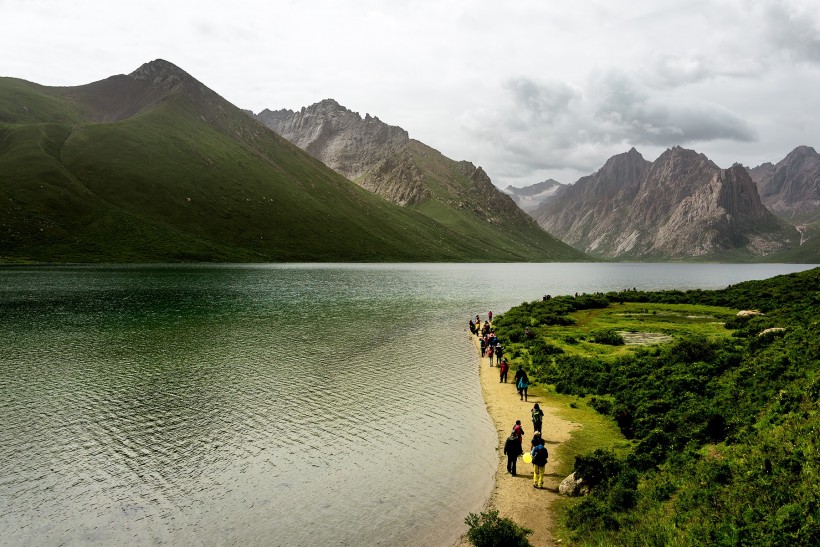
{"type": "Point", "coordinates": [608, 337]}
{"type": "Point", "coordinates": [490, 530]}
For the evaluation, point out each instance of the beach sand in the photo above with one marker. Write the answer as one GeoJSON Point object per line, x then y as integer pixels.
{"type": "Point", "coordinates": [515, 497]}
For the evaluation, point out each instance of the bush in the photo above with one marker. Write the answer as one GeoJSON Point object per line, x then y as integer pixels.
{"type": "Point", "coordinates": [489, 530]}
{"type": "Point", "coordinates": [597, 468]}
{"type": "Point", "coordinates": [608, 337]}
{"type": "Point", "coordinates": [591, 515]}
{"type": "Point", "coordinates": [602, 406]}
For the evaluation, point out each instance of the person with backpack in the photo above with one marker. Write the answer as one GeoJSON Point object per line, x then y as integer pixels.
{"type": "Point", "coordinates": [512, 448]}
{"type": "Point", "coordinates": [522, 382]}
{"type": "Point", "coordinates": [537, 417]}
{"type": "Point", "coordinates": [503, 368]}
{"type": "Point", "coordinates": [540, 455]}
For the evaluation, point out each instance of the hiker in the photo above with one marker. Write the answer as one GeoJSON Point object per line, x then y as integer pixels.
{"type": "Point", "coordinates": [482, 345]}
{"type": "Point", "coordinates": [499, 351]}
{"type": "Point", "coordinates": [539, 460]}
{"type": "Point", "coordinates": [472, 327]}
{"type": "Point", "coordinates": [490, 316]}
{"type": "Point", "coordinates": [522, 382]}
{"type": "Point", "coordinates": [519, 432]}
{"type": "Point", "coordinates": [537, 417]}
{"type": "Point", "coordinates": [490, 354]}
{"type": "Point", "coordinates": [512, 448]}
{"type": "Point", "coordinates": [504, 367]}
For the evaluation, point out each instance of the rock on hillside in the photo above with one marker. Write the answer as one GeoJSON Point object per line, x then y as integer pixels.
{"type": "Point", "coordinates": [680, 206]}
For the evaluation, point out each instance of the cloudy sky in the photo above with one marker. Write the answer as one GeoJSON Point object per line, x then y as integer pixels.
{"type": "Point", "coordinates": [528, 89]}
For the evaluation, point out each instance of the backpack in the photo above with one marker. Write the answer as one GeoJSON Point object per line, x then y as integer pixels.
{"type": "Point", "coordinates": [540, 455]}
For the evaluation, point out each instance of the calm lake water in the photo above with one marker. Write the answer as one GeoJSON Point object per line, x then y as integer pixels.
{"type": "Point", "coordinates": [262, 404]}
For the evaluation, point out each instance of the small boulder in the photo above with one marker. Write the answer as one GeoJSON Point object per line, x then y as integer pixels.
{"type": "Point", "coordinates": [572, 486]}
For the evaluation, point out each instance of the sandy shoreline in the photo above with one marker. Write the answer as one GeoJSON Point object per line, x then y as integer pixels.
{"type": "Point", "coordinates": [515, 497]}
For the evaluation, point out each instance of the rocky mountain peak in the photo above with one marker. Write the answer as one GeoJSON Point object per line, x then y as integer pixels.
{"type": "Point", "coordinates": [800, 153]}
{"type": "Point", "coordinates": [337, 136]}
{"type": "Point", "coordinates": [161, 72]}
{"type": "Point", "coordinates": [791, 188]}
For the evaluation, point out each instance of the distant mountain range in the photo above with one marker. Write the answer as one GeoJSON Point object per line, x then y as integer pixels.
{"type": "Point", "coordinates": [530, 198]}
{"type": "Point", "coordinates": [682, 206]}
{"type": "Point", "coordinates": [679, 206]}
{"type": "Point", "coordinates": [386, 161]}
{"type": "Point", "coordinates": [155, 166]}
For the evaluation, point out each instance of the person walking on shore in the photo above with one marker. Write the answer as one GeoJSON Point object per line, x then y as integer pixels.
{"type": "Point", "coordinates": [518, 431]}
{"type": "Point", "coordinates": [537, 417]}
{"type": "Point", "coordinates": [504, 367]}
{"type": "Point", "coordinates": [490, 354]}
{"type": "Point", "coordinates": [522, 382]}
{"type": "Point", "coordinates": [539, 460]}
{"type": "Point", "coordinates": [512, 448]}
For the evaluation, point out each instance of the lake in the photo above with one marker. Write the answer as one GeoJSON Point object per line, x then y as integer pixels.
{"type": "Point", "coordinates": [297, 404]}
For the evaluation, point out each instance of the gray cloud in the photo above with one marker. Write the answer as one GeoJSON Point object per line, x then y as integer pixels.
{"type": "Point", "coordinates": [537, 126]}
{"type": "Point", "coordinates": [793, 30]}
{"type": "Point", "coordinates": [632, 114]}
{"type": "Point", "coordinates": [536, 104]}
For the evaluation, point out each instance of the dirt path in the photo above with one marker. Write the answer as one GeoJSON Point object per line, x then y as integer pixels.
{"type": "Point", "coordinates": [515, 497]}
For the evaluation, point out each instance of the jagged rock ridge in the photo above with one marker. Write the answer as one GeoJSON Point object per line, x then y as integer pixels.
{"type": "Point", "coordinates": [680, 206]}
{"type": "Point", "coordinates": [338, 137]}
{"type": "Point", "coordinates": [790, 189]}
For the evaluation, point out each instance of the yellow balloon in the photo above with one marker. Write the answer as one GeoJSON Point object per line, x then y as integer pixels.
{"type": "Point", "coordinates": [527, 458]}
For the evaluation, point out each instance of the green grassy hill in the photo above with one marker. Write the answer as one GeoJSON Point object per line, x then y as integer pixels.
{"type": "Point", "coordinates": [154, 166]}
{"type": "Point", "coordinates": [723, 410]}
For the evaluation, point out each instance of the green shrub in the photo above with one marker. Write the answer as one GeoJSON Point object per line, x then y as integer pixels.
{"type": "Point", "coordinates": [597, 468]}
{"type": "Point", "coordinates": [591, 515]}
{"type": "Point", "coordinates": [602, 406]}
{"type": "Point", "coordinates": [490, 530]}
{"type": "Point", "coordinates": [608, 337]}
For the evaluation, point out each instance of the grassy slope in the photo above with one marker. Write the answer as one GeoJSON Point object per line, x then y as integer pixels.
{"type": "Point", "coordinates": [464, 205]}
{"type": "Point", "coordinates": [724, 421]}
{"type": "Point", "coordinates": [188, 178]}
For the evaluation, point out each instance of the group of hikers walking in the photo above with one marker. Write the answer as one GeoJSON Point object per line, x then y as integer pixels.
{"type": "Point", "coordinates": [514, 445]}
{"type": "Point", "coordinates": [491, 348]}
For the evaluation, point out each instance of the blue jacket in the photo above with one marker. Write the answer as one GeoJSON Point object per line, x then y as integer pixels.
{"type": "Point", "coordinates": [539, 455]}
